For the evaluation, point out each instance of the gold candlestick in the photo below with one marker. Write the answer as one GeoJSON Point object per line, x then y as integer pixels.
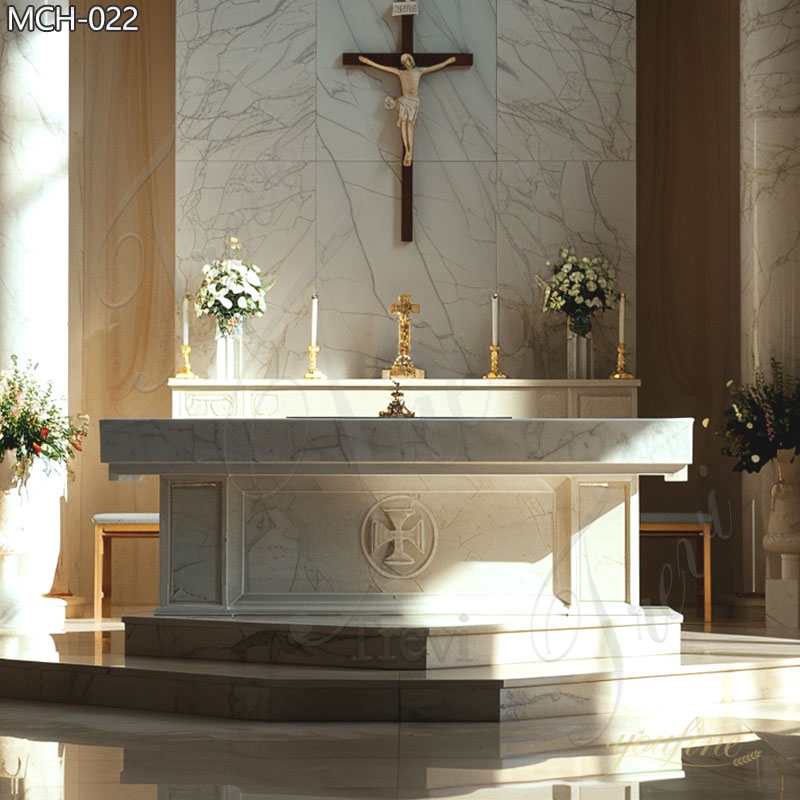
{"type": "Point", "coordinates": [186, 372]}
{"type": "Point", "coordinates": [621, 374]}
{"type": "Point", "coordinates": [313, 373]}
{"type": "Point", "coordinates": [494, 351]}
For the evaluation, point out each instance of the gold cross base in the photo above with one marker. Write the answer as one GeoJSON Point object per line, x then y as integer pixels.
{"type": "Point", "coordinates": [388, 374]}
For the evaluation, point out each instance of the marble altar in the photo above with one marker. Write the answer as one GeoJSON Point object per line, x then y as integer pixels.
{"type": "Point", "coordinates": [483, 540]}
{"type": "Point", "coordinates": [432, 397]}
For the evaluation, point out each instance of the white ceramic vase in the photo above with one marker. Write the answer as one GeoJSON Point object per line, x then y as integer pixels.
{"type": "Point", "coordinates": [30, 537]}
{"type": "Point", "coordinates": [783, 526]}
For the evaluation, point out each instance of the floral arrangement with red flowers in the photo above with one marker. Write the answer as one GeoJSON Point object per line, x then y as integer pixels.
{"type": "Point", "coordinates": [33, 425]}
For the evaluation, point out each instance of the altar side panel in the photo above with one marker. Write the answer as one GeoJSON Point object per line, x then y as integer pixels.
{"type": "Point", "coordinates": [358, 536]}
{"type": "Point", "coordinates": [603, 510]}
{"type": "Point", "coordinates": [195, 554]}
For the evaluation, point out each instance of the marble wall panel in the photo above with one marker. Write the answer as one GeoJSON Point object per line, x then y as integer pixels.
{"type": "Point", "coordinates": [489, 208]}
{"type": "Point", "coordinates": [543, 206]}
{"type": "Point", "coordinates": [270, 206]}
{"type": "Point", "coordinates": [566, 80]}
{"type": "Point", "coordinates": [449, 269]}
{"type": "Point", "coordinates": [457, 119]}
{"type": "Point", "coordinates": [245, 69]}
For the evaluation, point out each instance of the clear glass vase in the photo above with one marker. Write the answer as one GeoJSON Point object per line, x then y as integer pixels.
{"type": "Point", "coordinates": [580, 355]}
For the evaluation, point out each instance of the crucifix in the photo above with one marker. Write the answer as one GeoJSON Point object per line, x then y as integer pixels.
{"type": "Point", "coordinates": [409, 67]}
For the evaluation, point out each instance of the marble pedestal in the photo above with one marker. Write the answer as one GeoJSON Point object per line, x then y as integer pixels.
{"type": "Point", "coordinates": [503, 534]}
{"type": "Point", "coordinates": [783, 602]}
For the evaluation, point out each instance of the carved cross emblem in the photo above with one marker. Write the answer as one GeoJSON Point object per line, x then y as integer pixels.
{"type": "Point", "coordinates": [398, 537]}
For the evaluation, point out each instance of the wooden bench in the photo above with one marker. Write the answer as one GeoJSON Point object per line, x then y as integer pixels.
{"type": "Point", "coordinates": [693, 526]}
{"type": "Point", "coordinates": [108, 527]}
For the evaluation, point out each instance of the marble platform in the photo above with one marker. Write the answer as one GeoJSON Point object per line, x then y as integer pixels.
{"type": "Point", "coordinates": [88, 666]}
{"type": "Point", "coordinates": [424, 642]}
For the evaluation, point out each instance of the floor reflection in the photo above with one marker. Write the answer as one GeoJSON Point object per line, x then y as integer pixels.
{"type": "Point", "coordinates": [58, 752]}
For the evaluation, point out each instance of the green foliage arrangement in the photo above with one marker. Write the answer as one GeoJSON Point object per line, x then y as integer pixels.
{"type": "Point", "coordinates": [762, 418]}
{"type": "Point", "coordinates": [579, 287]}
{"type": "Point", "coordinates": [231, 290]}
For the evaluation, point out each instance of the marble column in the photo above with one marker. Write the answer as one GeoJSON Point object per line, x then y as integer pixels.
{"type": "Point", "coordinates": [34, 152]}
{"type": "Point", "coordinates": [770, 236]}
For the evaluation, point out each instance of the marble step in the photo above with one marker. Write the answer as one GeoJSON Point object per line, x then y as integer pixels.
{"type": "Point", "coordinates": [704, 676]}
{"type": "Point", "coordinates": [407, 642]}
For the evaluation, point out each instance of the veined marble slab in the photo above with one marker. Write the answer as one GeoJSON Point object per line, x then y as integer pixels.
{"type": "Point", "coordinates": [391, 446]}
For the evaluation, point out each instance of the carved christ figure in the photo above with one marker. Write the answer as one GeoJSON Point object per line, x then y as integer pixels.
{"type": "Point", "coordinates": [408, 102]}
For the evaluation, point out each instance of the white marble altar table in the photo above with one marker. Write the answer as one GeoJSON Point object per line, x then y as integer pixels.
{"type": "Point", "coordinates": [445, 520]}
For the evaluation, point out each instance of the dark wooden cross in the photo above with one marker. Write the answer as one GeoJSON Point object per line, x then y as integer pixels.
{"type": "Point", "coordinates": [421, 60]}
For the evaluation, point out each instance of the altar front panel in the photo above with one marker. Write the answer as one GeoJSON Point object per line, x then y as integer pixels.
{"type": "Point", "coordinates": [432, 536]}
{"type": "Point", "coordinates": [459, 545]}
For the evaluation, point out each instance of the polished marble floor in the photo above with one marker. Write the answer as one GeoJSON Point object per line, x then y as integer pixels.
{"type": "Point", "coordinates": [741, 750]}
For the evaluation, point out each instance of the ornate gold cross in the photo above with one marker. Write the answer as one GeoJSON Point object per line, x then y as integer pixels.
{"type": "Point", "coordinates": [403, 366]}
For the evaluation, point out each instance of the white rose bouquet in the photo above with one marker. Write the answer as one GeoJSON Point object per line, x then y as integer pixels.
{"type": "Point", "coordinates": [579, 287]}
{"type": "Point", "coordinates": [231, 290]}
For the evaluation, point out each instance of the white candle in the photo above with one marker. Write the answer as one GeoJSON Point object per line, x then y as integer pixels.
{"type": "Point", "coordinates": [314, 311]}
{"type": "Point", "coordinates": [495, 319]}
{"type": "Point", "coordinates": [622, 318]}
{"type": "Point", "coordinates": [753, 543]}
{"type": "Point", "coordinates": [185, 336]}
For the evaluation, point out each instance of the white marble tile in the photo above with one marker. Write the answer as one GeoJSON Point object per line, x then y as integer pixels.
{"type": "Point", "coordinates": [245, 72]}
{"type": "Point", "coordinates": [566, 80]}
{"type": "Point", "coordinates": [457, 120]}
{"type": "Point", "coordinates": [542, 207]}
{"type": "Point", "coordinates": [449, 269]}
{"type": "Point", "coordinates": [271, 209]}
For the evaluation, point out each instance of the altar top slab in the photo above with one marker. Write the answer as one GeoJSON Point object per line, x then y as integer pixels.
{"type": "Point", "coordinates": [347, 446]}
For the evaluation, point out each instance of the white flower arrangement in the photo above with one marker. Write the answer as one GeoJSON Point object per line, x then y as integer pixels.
{"type": "Point", "coordinates": [231, 290]}
{"type": "Point", "coordinates": [579, 287]}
